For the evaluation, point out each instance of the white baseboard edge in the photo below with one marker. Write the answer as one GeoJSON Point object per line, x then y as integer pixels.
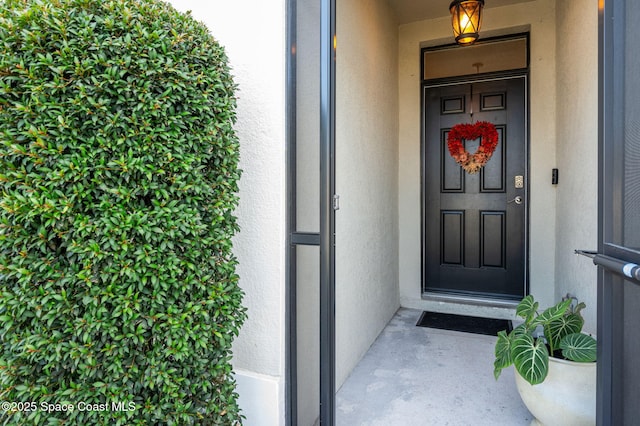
{"type": "Point", "coordinates": [261, 398]}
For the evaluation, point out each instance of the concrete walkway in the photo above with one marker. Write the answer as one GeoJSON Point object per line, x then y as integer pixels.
{"type": "Point", "coordinates": [422, 376]}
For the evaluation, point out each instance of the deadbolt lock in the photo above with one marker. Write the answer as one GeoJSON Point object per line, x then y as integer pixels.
{"type": "Point", "coordinates": [519, 182]}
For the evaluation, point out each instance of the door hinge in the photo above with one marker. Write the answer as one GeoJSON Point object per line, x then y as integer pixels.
{"type": "Point", "coordinates": [336, 202]}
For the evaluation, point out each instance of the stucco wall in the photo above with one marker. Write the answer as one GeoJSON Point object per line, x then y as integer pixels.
{"type": "Point", "coordinates": [577, 152]}
{"type": "Point", "coordinates": [253, 32]}
{"type": "Point", "coordinates": [539, 18]}
{"type": "Point", "coordinates": [366, 177]}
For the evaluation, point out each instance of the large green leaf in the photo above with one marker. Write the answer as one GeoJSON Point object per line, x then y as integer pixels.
{"type": "Point", "coordinates": [553, 313]}
{"type": "Point", "coordinates": [556, 330]}
{"type": "Point", "coordinates": [579, 347]}
{"type": "Point", "coordinates": [531, 358]}
{"type": "Point", "coordinates": [519, 330]}
{"type": "Point", "coordinates": [527, 308]}
{"type": "Point", "coordinates": [503, 353]}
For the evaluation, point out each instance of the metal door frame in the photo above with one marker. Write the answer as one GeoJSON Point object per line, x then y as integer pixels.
{"type": "Point", "coordinates": [325, 238]}
{"type": "Point", "coordinates": [608, 295]}
{"type": "Point", "coordinates": [618, 265]}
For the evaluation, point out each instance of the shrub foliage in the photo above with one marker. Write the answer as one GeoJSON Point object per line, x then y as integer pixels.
{"type": "Point", "coordinates": [118, 180]}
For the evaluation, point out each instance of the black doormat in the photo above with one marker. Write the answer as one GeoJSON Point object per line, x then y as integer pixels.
{"type": "Point", "coordinates": [464, 323]}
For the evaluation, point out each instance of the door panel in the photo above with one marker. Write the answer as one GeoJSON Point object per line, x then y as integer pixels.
{"type": "Point", "coordinates": [304, 215]}
{"type": "Point", "coordinates": [474, 237]}
{"type": "Point", "coordinates": [619, 216]}
{"type": "Point", "coordinates": [630, 354]}
{"type": "Point", "coordinates": [310, 384]}
{"type": "Point", "coordinates": [307, 332]}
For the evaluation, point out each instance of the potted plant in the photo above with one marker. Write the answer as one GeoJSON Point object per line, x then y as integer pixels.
{"type": "Point", "coordinates": [554, 362]}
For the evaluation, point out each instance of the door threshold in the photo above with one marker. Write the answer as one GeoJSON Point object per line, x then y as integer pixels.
{"type": "Point", "coordinates": [469, 300]}
{"type": "Point", "coordinates": [463, 305]}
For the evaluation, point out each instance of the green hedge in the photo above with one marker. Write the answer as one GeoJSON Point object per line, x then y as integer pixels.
{"type": "Point", "coordinates": [118, 175]}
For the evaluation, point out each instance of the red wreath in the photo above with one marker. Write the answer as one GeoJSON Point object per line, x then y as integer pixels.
{"type": "Point", "coordinates": [472, 162]}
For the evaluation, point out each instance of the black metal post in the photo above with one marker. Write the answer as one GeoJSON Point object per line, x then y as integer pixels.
{"type": "Point", "coordinates": [327, 214]}
{"type": "Point", "coordinates": [610, 289]}
{"type": "Point", "coordinates": [291, 359]}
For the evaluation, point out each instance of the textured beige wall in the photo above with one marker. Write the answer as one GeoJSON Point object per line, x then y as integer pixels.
{"type": "Point", "coordinates": [366, 177]}
{"type": "Point", "coordinates": [539, 18]}
{"type": "Point", "coordinates": [577, 152]}
{"type": "Point", "coordinates": [253, 33]}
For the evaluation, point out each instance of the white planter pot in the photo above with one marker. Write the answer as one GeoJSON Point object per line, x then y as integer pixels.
{"type": "Point", "coordinates": [567, 397]}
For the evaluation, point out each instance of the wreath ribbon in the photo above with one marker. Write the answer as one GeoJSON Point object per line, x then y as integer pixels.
{"type": "Point", "coordinates": [472, 163]}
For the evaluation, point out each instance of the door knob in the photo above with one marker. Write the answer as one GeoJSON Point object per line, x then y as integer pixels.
{"type": "Point", "coordinates": [517, 200]}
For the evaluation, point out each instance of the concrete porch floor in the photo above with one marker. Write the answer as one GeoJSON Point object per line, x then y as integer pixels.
{"type": "Point", "coordinates": [422, 376]}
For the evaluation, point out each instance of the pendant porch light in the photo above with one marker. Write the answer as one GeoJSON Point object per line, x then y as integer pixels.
{"type": "Point", "coordinates": [466, 18]}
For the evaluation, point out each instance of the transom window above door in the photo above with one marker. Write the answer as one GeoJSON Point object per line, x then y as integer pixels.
{"type": "Point", "coordinates": [483, 57]}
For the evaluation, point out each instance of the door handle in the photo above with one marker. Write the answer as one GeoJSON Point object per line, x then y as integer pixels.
{"type": "Point", "coordinates": [618, 266]}
{"type": "Point", "coordinates": [517, 200]}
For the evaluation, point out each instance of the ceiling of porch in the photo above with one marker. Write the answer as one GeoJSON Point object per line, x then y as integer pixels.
{"type": "Point", "coordinates": [418, 10]}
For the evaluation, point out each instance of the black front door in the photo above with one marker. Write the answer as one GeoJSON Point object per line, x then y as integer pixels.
{"type": "Point", "coordinates": [474, 240]}
{"type": "Point", "coordinates": [619, 233]}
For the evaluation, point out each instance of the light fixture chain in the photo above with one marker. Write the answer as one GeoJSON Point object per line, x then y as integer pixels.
{"type": "Point", "coordinates": [471, 103]}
